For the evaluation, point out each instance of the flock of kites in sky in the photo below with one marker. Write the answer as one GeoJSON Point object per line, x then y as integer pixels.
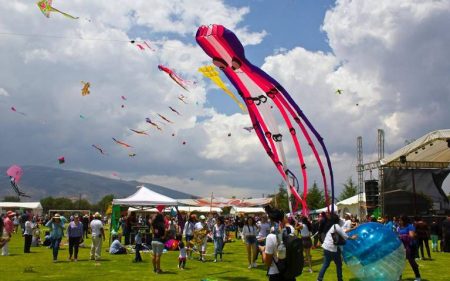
{"type": "Point", "coordinates": [260, 93]}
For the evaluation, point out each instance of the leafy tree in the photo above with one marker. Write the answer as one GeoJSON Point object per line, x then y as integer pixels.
{"type": "Point", "coordinates": [11, 199]}
{"type": "Point", "coordinates": [48, 203]}
{"type": "Point", "coordinates": [280, 199]}
{"type": "Point", "coordinates": [82, 204]}
{"type": "Point", "coordinates": [104, 203]}
{"type": "Point", "coordinates": [315, 198]}
{"type": "Point", "coordinates": [350, 189]}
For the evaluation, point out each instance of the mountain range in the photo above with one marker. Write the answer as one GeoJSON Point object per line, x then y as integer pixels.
{"type": "Point", "coordinates": [39, 182]}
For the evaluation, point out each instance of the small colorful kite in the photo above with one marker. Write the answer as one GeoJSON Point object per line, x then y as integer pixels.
{"type": "Point", "coordinates": [131, 154]}
{"type": "Point", "coordinates": [123, 97]}
{"type": "Point", "coordinates": [85, 90]}
{"type": "Point", "coordinates": [148, 120]}
{"type": "Point", "coordinates": [174, 110]}
{"type": "Point", "coordinates": [182, 98]}
{"type": "Point", "coordinates": [182, 83]}
{"type": "Point", "coordinates": [99, 149]}
{"type": "Point", "coordinates": [61, 160]}
{"type": "Point", "coordinates": [121, 143]}
{"type": "Point", "coordinates": [339, 91]}
{"type": "Point", "coordinates": [164, 118]}
{"type": "Point", "coordinates": [46, 7]}
{"type": "Point", "coordinates": [142, 45]}
{"type": "Point", "coordinates": [139, 132]}
{"type": "Point", "coordinates": [82, 117]}
{"type": "Point", "coordinates": [210, 72]}
{"type": "Point", "coordinates": [15, 173]}
{"type": "Point", "coordinates": [15, 110]}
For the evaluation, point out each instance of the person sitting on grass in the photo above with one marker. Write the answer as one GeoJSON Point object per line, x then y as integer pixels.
{"type": "Point", "coordinates": [116, 248]}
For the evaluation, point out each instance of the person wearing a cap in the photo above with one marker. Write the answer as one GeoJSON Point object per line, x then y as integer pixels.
{"type": "Point", "coordinates": [8, 229]}
{"type": "Point", "coordinates": [98, 235]}
{"type": "Point", "coordinates": [56, 233]}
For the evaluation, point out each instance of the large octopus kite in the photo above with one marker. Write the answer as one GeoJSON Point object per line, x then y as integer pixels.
{"type": "Point", "coordinates": [257, 88]}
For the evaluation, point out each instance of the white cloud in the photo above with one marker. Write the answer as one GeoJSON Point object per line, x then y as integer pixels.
{"type": "Point", "coordinates": [3, 93]}
{"type": "Point", "coordinates": [386, 56]}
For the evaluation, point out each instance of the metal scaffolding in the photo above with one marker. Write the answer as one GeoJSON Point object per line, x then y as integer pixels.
{"type": "Point", "coordinates": [360, 170]}
{"type": "Point", "coordinates": [380, 170]}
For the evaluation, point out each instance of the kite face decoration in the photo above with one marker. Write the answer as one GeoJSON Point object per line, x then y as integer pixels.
{"type": "Point", "coordinates": [259, 90]}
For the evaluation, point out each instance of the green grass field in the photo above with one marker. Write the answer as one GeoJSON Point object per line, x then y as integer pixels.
{"type": "Point", "coordinates": [38, 265]}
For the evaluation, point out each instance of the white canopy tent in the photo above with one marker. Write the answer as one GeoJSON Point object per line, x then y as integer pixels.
{"type": "Point", "coordinates": [350, 205]}
{"type": "Point", "coordinates": [247, 210]}
{"type": "Point", "coordinates": [145, 197]}
{"type": "Point", "coordinates": [432, 147]}
{"type": "Point", "coordinates": [35, 207]}
{"type": "Point", "coordinates": [187, 209]}
{"type": "Point", "coordinates": [318, 211]}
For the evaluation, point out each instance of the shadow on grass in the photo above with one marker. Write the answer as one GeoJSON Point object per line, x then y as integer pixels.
{"type": "Point", "coordinates": [403, 279]}
{"type": "Point", "coordinates": [239, 278]}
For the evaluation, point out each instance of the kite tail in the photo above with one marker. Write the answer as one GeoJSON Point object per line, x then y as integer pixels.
{"type": "Point", "coordinates": [297, 148]}
{"type": "Point", "coordinates": [289, 103]}
{"type": "Point", "coordinates": [64, 14]}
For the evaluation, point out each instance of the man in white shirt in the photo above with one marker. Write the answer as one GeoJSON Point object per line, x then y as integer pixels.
{"type": "Point", "coordinates": [332, 252]}
{"type": "Point", "coordinates": [98, 235]}
{"type": "Point", "coordinates": [347, 226]}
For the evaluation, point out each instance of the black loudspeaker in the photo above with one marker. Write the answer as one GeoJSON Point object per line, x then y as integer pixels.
{"type": "Point", "coordinates": [372, 194]}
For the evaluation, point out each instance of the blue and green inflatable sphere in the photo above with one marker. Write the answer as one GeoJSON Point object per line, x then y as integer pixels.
{"type": "Point", "coordinates": [376, 255]}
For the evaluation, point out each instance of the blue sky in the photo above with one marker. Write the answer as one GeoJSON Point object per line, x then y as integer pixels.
{"type": "Point", "coordinates": [385, 55]}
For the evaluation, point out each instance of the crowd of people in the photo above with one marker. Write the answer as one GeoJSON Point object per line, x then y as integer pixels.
{"type": "Point", "coordinates": [262, 235]}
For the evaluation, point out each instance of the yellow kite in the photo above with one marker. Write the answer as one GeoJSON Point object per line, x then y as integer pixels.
{"type": "Point", "coordinates": [211, 72]}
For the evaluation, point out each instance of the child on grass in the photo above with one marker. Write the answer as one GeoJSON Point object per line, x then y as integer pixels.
{"type": "Point", "coordinates": [138, 241]}
{"type": "Point", "coordinates": [183, 254]}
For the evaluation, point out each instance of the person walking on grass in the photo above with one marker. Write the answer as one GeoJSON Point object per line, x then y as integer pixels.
{"type": "Point", "coordinates": [249, 232]}
{"type": "Point", "coordinates": [75, 234]}
{"type": "Point", "coordinates": [219, 237]}
{"type": "Point", "coordinates": [158, 230]}
{"type": "Point", "coordinates": [331, 251]}
{"type": "Point", "coordinates": [27, 234]}
{"type": "Point", "coordinates": [435, 234]}
{"type": "Point", "coordinates": [98, 235]}
{"type": "Point", "coordinates": [188, 233]}
{"type": "Point", "coordinates": [56, 233]}
{"type": "Point", "coordinates": [305, 232]}
{"type": "Point", "coordinates": [8, 229]}
{"type": "Point", "coordinates": [423, 236]}
{"type": "Point", "coordinates": [407, 233]}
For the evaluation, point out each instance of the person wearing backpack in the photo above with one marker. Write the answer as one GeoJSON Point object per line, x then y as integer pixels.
{"type": "Point", "coordinates": [283, 253]}
{"type": "Point", "coordinates": [334, 238]}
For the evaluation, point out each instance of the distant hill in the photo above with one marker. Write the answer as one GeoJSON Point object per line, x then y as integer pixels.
{"type": "Point", "coordinates": [39, 182]}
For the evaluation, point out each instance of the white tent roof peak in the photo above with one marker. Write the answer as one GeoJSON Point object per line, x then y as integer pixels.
{"type": "Point", "coordinates": [145, 197]}
{"type": "Point", "coordinates": [432, 147]}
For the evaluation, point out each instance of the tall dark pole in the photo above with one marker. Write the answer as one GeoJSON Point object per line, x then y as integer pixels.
{"type": "Point", "coordinates": [414, 191]}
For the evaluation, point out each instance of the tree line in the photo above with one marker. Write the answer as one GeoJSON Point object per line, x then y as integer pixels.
{"type": "Point", "coordinates": [316, 195]}
{"type": "Point", "coordinates": [62, 203]}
